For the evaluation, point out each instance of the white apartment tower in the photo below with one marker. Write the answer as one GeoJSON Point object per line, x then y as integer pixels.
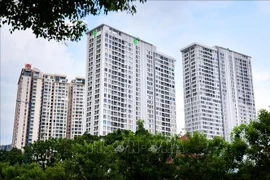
{"type": "Point", "coordinates": [218, 89]}
{"type": "Point", "coordinates": [236, 84]}
{"type": "Point", "coordinates": [42, 106]}
{"type": "Point", "coordinates": [76, 115]}
{"type": "Point", "coordinates": [53, 120]}
{"type": "Point", "coordinates": [27, 109]}
{"type": "Point", "coordinates": [127, 80]}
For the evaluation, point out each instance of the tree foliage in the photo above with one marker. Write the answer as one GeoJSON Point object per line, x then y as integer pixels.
{"type": "Point", "coordinates": [125, 155]}
{"type": "Point", "coordinates": [253, 142]}
{"type": "Point", "coordinates": [13, 156]}
{"type": "Point", "coordinates": [59, 20]}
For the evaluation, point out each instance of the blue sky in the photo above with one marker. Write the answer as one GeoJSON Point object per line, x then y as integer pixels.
{"type": "Point", "coordinates": [242, 26]}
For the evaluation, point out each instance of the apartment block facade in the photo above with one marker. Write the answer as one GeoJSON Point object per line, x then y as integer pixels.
{"type": "Point", "coordinates": [127, 80]}
{"type": "Point", "coordinates": [42, 106]}
{"type": "Point", "coordinates": [76, 112]}
{"type": "Point", "coordinates": [27, 111]}
{"type": "Point", "coordinates": [218, 89]}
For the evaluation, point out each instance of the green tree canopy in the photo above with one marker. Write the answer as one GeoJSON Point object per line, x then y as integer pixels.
{"type": "Point", "coordinates": [13, 156]}
{"type": "Point", "coordinates": [58, 20]}
{"type": "Point", "coordinates": [125, 155]}
{"type": "Point", "coordinates": [253, 142]}
{"type": "Point", "coordinates": [201, 158]}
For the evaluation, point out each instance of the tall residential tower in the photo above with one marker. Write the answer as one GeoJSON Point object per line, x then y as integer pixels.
{"type": "Point", "coordinates": [76, 115]}
{"type": "Point", "coordinates": [43, 104]}
{"type": "Point", "coordinates": [218, 89]}
{"type": "Point", "coordinates": [27, 109]}
{"type": "Point", "coordinates": [127, 80]}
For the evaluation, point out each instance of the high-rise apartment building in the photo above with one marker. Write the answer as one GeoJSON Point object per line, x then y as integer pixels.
{"type": "Point", "coordinates": [42, 107]}
{"type": "Point", "coordinates": [27, 110]}
{"type": "Point", "coordinates": [127, 80]}
{"type": "Point", "coordinates": [76, 111]}
{"type": "Point", "coordinates": [218, 89]}
{"type": "Point", "coordinates": [53, 120]}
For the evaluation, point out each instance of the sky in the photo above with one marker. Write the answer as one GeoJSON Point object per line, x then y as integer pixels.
{"type": "Point", "coordinates": [242, 26]}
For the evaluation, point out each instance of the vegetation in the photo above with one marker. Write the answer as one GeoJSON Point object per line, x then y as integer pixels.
{"type": "Point", "coordinates": [58, 20]}
{"type": "Point", "coordinates": [127, 155]}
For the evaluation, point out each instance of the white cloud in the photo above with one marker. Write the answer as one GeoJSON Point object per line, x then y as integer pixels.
{"type": "Point", "coordinates": [261, 76]}
{"type": "Point", "coordinates": [8, 97]}
{"type": "Point", "coordinates": [22, 47]}
{"type": "Point", "coordinates": [261, 82]}
{"type": "Point", "coordinates": [262, 96]}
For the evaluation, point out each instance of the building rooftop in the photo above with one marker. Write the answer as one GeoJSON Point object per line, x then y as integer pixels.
{"type": "Point", "coordinates": [50, 74]}
{"type": "Point", "coordinates": [213, 48]}
{"type": "Point", "coordinates": [79, 77]}
{"type": "Point", "coordinates": [118, 31]}
{"type": "Point", "coordinates": [232, 51]}
{"type": "Point", "coordinates": [195, 43]}
{"type": "Point", "coordinates": [166, 55]}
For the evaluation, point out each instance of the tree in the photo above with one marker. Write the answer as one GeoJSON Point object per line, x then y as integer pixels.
{"type": "Point", "coordinates": [118, 135]}
{"type": "Point", "coordinates": [3, 155]}
{"type": "Point", "coordinates": [254, 160]}
{"type": "Point", "coordinates": [12, 171]}
{"type": "Point", "coordinates": [143, 155]}
{"type": "Point", "coordinates": [123, 154]}
{"type": "Point", "coordinates": [48, 18]}
{"type": "Point", "coordinates": [49, 152]}
{"type": "Point", "coordinates": [64, 149]}
{"type": "Point", "coordinates": [13, 156]}
{"type": "Point", "coordinates": [86, 137]}
{"type": "Point", "coordinates": [57, 172]}
{"type": "Point", "coordinates": [140, 129]}
{"type": "Point", "coordinates": [93, 161]}
{"type": "Point", "coordinates": [21, 172]}
{"type": "Point", "coordinates": [201, 158]}
{"type": "Point", "coordinates": [32, 171]}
